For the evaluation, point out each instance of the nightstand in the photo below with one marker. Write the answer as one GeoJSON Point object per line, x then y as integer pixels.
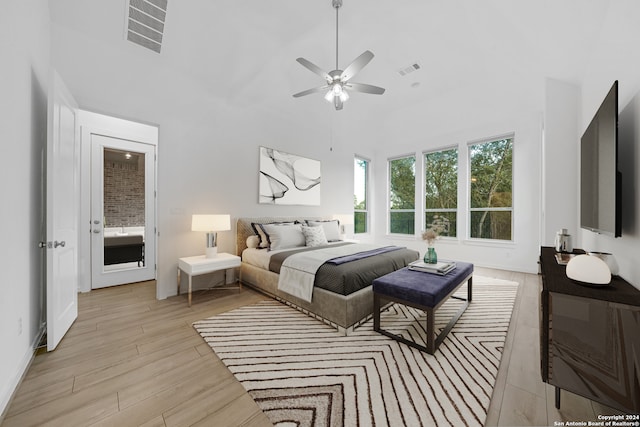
{"type": "Point", "coordinates": [197, 265]}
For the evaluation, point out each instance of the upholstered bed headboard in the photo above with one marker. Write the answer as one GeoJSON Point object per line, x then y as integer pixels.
{"type": "Point", "coordinates": [244, 229]}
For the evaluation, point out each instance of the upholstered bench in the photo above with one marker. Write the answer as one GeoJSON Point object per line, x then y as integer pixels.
{"type": "Point", "coordinates": [424, 291]}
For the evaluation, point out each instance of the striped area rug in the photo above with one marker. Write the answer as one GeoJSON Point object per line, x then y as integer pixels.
{"type": "Point", "coordinates": [302, 372]}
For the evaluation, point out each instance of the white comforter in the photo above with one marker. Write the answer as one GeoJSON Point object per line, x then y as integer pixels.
{"type": "Point", "coordinates": [298, 271]}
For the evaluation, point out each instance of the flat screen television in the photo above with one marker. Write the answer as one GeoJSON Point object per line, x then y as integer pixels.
{"type": "Point", "coordinates": [600, 179]}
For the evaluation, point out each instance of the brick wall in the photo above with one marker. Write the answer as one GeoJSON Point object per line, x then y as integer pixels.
{"type": "Point", "coordinates": [124, 193]}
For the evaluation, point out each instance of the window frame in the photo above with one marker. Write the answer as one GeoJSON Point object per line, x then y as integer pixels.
{"type": "Point", "coordinates": [389, 210]}
{"type": "Point", "coordinates": [511, 209]}
{"type": "Point", "coordinates": [366, 196]}
{"type": "Point", "coordinates": [424, 189]}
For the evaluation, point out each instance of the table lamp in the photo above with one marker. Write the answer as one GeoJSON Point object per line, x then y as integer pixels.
{"type": "Point", "coordinates": [211, 224]}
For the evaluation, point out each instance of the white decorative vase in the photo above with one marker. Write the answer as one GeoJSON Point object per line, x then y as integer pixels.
{"type": "Point", "coordinates": [588, 270]}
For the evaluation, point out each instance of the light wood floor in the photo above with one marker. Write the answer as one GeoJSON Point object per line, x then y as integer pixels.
{"type": "Point", "coordinates": [130, 360]}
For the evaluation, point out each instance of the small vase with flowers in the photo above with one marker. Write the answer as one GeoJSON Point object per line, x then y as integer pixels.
{"type": "Point", "coordinates": [439, 226]}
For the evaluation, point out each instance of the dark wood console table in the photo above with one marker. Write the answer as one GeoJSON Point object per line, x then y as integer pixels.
{"type": "Point", "coordinates": [590, 337]}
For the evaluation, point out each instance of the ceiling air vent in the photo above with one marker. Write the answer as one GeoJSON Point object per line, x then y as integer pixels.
{"type": "Point", "coordinates": [410, 69]}
{"type": "Point", "coordinates": [145, 22]}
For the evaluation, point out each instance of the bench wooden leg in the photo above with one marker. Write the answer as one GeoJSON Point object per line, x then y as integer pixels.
{"type": "Point", "coordinates": [376, 312]}
{"type": "Point", "coordinates": [451, 324]}
{"type": "Point", "coordinates": [431, 346]}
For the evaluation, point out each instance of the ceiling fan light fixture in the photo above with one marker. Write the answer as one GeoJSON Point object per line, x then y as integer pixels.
{"type": "Point", "coordinates": [337, 80]}
{"type": "Point", "coordinates": [336, 90]}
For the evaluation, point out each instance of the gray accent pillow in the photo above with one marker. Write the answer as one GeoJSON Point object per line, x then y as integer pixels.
{"type": "Point", "coordinates": [314, 236]}
{"type": "Point", "coordinates": [331, 229]}
{"type": "Point", "coordinates": [282, 236]}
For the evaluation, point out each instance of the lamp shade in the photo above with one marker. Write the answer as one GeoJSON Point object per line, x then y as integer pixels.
{"type": "Point", "coordinates": [210, 223]}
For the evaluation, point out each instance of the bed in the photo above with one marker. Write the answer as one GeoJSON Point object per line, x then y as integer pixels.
{"type": "Point", "coordinates": [345, 300]}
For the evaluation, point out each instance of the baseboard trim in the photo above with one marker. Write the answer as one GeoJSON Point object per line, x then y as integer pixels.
{"type": "Point", "coordinates": [9, 393]}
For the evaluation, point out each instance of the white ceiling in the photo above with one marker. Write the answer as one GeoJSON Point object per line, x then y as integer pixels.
{"type": "Point", "coordinates": [244, 51]}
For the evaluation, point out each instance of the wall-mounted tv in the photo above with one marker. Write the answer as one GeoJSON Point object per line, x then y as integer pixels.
{"type": "Point", "coordinates": [600, 179]}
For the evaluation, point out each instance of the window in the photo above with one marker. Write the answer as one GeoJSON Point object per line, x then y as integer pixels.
{"type": "Point", "coordinates": [491, 204]}
{"type": "Point", "coordinates": [360, 204]}
{"type": "Point", "coordinates": [402, 194]}
{"type": "Point", "coordinates": [441, 190]}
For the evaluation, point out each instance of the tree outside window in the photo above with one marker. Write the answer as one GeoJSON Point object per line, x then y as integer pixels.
{"type": "Point", "coordinates": [360, 207]}
{"type": "Point", "coordinates": [402, 191]}
{"type": "Point", "coordinates": [441, 190]}
{"type": "Point", "coordinates": [491, 175]}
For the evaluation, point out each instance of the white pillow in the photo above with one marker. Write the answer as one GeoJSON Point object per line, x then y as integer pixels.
{"type": "Point", "coordinates": [253, 241]}
{"type": "Point", "coordinates": [331, 229]}
{"type": "Point", "coordinates": [264, 241]}
{"type": "Point", "coordinates": [314, 236]}
{"type": "Point", "coordinates": [282, 236]}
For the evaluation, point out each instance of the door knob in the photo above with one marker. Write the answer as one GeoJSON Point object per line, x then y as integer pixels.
{"type": "Point", "coordinates": [56, 244]}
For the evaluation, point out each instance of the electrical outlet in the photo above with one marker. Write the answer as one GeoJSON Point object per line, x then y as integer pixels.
{"type": "Point", "coordinates": [20, 326]}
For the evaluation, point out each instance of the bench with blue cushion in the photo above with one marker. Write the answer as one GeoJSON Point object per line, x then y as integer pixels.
{"type": "Point", "coordinates": [424, 291]}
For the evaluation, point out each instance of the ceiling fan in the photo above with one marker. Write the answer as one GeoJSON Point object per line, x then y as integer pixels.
{"type": "Point", "coordinates": [338, 81]}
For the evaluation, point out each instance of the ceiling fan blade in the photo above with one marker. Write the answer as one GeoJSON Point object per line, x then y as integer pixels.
{"type": "Point", "coordinates": [357, 65]}
{"type": "Point", "coordinates": [365, 88]}
{"type": "Point", "coordinates": [309, 91]}
{"type": "Point", "coordinates": [314, 68]}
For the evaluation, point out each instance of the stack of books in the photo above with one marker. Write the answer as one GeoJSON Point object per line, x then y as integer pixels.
{"type": "Point", "coordinates": [441, 267]}
{"type": "Point", "coordinates": [563, 258]}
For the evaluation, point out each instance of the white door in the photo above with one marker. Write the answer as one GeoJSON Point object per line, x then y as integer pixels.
{"type": "Point", "coordinates": [63, 197]}
{"type": "Point", "coordinates": [122, 211]}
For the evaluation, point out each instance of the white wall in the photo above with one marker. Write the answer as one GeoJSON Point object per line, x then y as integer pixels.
{"type": "Point", "coordinates": [213, 168]}
{"type": "Point", "coordinates": [615, 58]}
{"type": "Point", "coordinates": [209, 139]}
{"type": "Point", "coordinates": [208, 147]}
{"type": "Point", "coordinates": [560, 181]}
{"type": "Point", "coordinates": [208, 155]}
{"type": "Point", "coordinates": [519, 255]}
{"type": "Point", "coordinates": [24, 76]}
{"type": "Point", "coordinates": [94, 123]}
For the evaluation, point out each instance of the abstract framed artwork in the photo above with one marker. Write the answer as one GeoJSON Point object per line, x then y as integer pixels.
{"type": "Point", "coordinates": [288, 179]}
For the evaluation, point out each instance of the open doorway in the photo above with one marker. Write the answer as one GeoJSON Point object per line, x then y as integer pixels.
{"type": "Point", "coordinates": [122, 211]}
{"type": "Point", "coordinates": [119, 194]}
